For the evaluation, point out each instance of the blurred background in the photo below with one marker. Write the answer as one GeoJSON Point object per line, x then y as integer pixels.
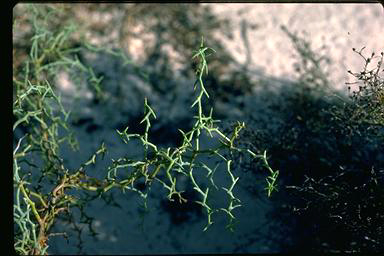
{"type": "Point", "coordinates": [257, 75]}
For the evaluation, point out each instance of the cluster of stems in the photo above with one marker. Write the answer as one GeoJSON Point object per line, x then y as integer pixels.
{"type": "Point", "coordinates": [37, 107]}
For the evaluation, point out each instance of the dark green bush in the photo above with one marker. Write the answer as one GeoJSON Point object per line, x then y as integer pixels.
{"type": "Point", "coordinates": [329, 150]}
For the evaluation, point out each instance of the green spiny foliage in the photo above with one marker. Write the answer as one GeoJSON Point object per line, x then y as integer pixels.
{"type": "Point", "coordinates": [183, 160]}
{"type": "Point", "coordinates": [39, 174]}
{"type": "Point", "coordinates": [40, 115]}
{"type": "Point", "coordinates": [42, 182]}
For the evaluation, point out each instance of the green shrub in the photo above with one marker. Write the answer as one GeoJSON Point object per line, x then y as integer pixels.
{"type": "Point", "coordinates": [328, 147]}
{"type": "Point", "coordinates": [46, 189]}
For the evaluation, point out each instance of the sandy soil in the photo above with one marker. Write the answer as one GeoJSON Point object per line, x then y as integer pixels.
{"type": "Point", "coordinates": [339, 27]}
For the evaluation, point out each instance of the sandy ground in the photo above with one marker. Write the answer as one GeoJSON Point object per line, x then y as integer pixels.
{"type": "Point", "coordinates": [338, 27]}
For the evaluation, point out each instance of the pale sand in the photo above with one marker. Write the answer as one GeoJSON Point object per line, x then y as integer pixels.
{"type": "Point", "coordinates": [338, 26]}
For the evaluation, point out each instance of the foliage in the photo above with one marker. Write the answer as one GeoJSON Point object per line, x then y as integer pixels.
{"type": "Point", "coordinates": [329, 149]}
{"type": "Point", "coordinates": [42, 121]}
{"type": "Point", "coordinates": [43, 185]}
{"type": "Point", "coordinates": [351, 197]}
